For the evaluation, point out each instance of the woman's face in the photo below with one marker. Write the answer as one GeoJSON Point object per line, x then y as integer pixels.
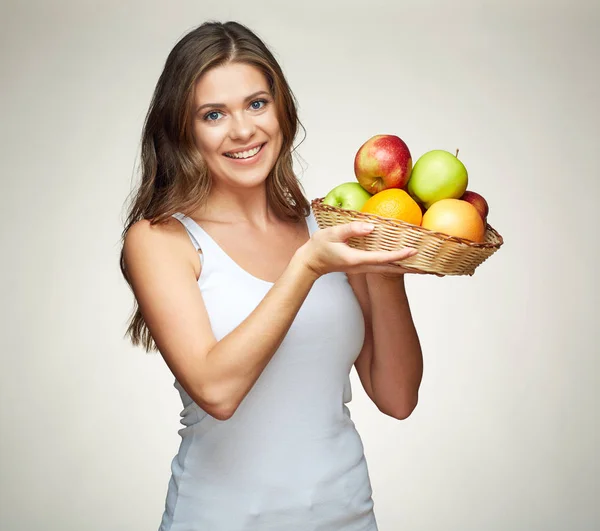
{"type": "Point", "coordinates": [235, 125]}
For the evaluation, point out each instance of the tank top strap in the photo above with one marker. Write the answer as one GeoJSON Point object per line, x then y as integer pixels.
{"type": "Point", "coordinates": [201, 241]}
{"type": "Point", "coordinates": [217, 257]}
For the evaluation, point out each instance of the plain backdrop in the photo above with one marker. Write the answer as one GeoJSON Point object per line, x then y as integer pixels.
{"type": "Point", "coordinates": [506, 433]}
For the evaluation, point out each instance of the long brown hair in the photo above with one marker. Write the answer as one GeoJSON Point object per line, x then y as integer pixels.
{"type": "Point", "coordinates": [174, 178]}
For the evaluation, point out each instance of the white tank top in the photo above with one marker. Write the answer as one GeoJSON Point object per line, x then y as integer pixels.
{"type": "Point", "coordinates": [290, 458]}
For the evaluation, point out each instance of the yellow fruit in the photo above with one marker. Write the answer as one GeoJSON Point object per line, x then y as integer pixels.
{"type": "Point", "coordinates": [394, 203]}
{"type": "Point", "coordinates": [455, 217]}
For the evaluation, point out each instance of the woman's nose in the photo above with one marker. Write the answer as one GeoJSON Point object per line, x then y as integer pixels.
{"type": "Point", "coordinates": [242, 127]}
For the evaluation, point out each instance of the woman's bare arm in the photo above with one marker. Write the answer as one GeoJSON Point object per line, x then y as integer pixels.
{"type": "Point", "coordinates": [218, 375]}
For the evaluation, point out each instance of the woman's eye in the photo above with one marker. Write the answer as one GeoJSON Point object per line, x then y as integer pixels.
{"type": "Point", "coordinates": [258, 104]}
{"type": "Point", "coordinates": [212, 116]}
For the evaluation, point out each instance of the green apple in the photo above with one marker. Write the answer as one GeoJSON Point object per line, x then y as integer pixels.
{"type": "Point", "coordinates": [350, 196]}
{"type": "Point", "coordinates": [438, 174]}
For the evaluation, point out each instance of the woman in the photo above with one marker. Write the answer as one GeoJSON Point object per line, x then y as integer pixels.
{"type": "Point", "coordinates": [259, 315]}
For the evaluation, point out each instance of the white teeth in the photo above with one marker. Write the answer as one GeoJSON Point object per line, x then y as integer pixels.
{"type": "Point", "coordinates": [244, 154]}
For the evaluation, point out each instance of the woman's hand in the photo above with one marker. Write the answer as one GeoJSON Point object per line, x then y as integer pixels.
{"type": "Point", "coordinates": [327, 251]}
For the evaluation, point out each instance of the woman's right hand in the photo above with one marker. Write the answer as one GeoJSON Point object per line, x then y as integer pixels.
{"type": "Point", "coordinates": [327, 251]}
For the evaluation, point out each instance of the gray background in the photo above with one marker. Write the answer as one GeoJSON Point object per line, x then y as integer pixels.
{"type": "Point", "coordinates": [505, 436]}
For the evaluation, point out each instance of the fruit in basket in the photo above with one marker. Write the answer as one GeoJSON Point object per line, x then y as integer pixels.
{"type": "Point", "coordinates": [350, 196]}
{"type": "Point", "coordinates": [383, 162]}
{"type": "Point", "coordinates": [455, 217]}
{"type": "Point", "coordinates": [394, 203]}
{"type": "Point", "coordinates": [479, 202]}
{"type": "Point", "coordinates": [437, 175]}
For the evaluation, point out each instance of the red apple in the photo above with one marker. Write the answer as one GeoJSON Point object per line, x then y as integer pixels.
{"type": "Point", "coordinates": [383, 162]}
{"type": "Point", "coordinates": [478, 202]}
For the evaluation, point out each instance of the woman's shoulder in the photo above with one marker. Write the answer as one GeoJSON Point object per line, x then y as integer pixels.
{"type": "Point", "coordinates": [167, 232]}
{"type": "Point", "coordinates": [148, 241]}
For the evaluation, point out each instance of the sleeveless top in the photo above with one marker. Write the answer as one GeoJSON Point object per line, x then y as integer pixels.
{"type": "Point", "coordinates": [290, 458]}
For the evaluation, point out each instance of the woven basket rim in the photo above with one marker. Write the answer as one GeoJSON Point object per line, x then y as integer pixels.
{"type": "Point", "coordinates": [395, 223]}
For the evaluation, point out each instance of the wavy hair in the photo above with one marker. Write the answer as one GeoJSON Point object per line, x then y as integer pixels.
{"type": "Point", "coordinates": [174, 177]}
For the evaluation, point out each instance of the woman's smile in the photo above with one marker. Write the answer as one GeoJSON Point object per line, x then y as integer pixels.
{"type": "Point", "coordinates": [246, 156]}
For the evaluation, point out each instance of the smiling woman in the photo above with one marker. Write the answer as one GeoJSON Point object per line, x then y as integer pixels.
{"type": "Point", "coordinates": [261, 330]}
{"type": "Point", "coordinates": [175, 174]}
{"type": "Point", "coordinates": [241, 132]}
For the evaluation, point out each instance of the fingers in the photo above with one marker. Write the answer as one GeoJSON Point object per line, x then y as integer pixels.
{"type": "Point", "coordinates": [388, 270]}
{"type": "Point", "coordinates": [380, 257]}
{"type": "Point", "coordinates": [343, 232]}
{"type": "Point", "coordinates": [357, 260]}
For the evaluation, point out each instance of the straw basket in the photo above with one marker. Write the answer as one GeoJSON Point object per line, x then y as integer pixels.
{"type": "Point", "coordinates": [438, 253]}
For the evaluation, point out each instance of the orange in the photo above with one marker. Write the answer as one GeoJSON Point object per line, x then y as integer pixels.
{"type": "Point", "coordinates": [455, 217]}
{"type": "Point", "coordinates": [394, 203]}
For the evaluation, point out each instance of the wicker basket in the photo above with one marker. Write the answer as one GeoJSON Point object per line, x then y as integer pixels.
{"type": "Point", "coordinates": [438, 253]}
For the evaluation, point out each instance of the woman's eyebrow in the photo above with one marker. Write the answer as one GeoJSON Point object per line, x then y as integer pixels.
{"type": "Point", "coordinates": [221, 105]}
